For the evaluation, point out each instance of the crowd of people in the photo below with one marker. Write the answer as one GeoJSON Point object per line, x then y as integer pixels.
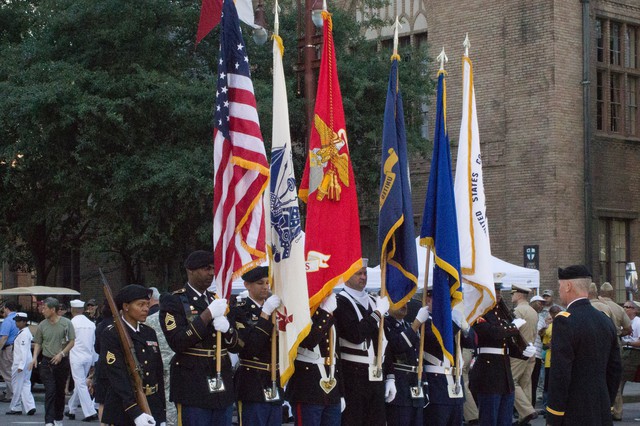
{"type": "Point", "coordinates": [199, 360]}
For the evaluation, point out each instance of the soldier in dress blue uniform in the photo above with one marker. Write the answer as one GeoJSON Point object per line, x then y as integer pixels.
{"type": "Point", "coordinates": [120, 407]}
{"type": "Point", "coordinates": [404, 344]}
{"type": "Point", "coordinates": [357, 322]}
{"type": "Point", "coordinates": [490, 378]}
{"type": "Point", "coordinates": [444, 409]}
{"type": "Point", "coordinates": [585, 365]}
{"type": "Point", "coordinates": [315, 388]}
{"type": "Point", "coordinates": [253, 376]}
{"type": "Point", "coordinates": [190, 319]}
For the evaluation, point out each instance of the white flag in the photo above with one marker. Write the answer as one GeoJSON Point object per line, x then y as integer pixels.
{"type": "Point", "coordinates": [473, 228]}
{"type": "Point", "coordinates": [287, 239]}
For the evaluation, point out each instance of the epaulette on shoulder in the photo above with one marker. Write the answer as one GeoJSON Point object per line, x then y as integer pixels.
{"type": "Point", "coordinates": [564, 314]}
{"type": "Point", "coordinates": [179, 291]}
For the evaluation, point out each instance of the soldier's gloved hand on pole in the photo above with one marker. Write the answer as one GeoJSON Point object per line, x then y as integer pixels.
{"type": "Point", "coordinates": [217, 307]}
{"type": "Point", "coordinates": [423, 314]}
{"type": "Point", "coordinates": [458, 317]}
{"type": "Point", "coordinates": [144, 419]}
{"type": "Point", "coordinates": [382, 304]}
{"type": "Point", "coordinates": [329, 304]}
{"type": "Point", "coordinates": [529, 351]}
{"type": "Point", "coordinates": [343, 404]}
{"type": "Point", "coordinates": [221, 324]}
{"type": "Point", "coordinates": [518, 322]}
{"type": "Point", "coordinates": [389, 390]}
{"type": "Point", "coordinates": [271, 304]}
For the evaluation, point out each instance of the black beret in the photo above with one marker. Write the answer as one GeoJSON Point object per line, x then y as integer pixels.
{"type": "Point", "coordinates": [573, 271]}
{"type": "Point", "coordinates": [256, 274]}
{"type": "Point", "coordinates": [131, 292]}
{"type": "Point", "coordinates": [198, 259]}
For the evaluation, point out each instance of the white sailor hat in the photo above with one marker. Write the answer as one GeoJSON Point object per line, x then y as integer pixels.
{"type": "Point", "coordinates": [536, 298]}
{"type": "Point", "coordinates": [518, 288]}
{"type": "Point", "coordinates": [21, 316]}
{"type": "Point", "coordinates": [76, 303]}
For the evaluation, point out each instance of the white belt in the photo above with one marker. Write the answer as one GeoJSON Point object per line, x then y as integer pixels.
{"type": "Point", "coordinates": [439, 370]}
{"type": "Point", "coordinates": [493, 351]}
{"type": "Point", "coordinates": [308, 356]}
{"type": "Point", "coordinates": [360, 359]}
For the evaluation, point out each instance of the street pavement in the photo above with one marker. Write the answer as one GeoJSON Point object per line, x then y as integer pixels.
{"type": "Point", "coordinates": [631, 410]}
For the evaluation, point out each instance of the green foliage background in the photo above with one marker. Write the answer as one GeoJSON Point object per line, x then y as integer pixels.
{"type": "Point", "coordinates": [105, 128]}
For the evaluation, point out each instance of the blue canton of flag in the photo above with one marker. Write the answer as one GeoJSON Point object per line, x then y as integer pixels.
{"type": "Point", "coordinates": [395, 228]}
{"type": "Point", "coordinates": [440, 229]}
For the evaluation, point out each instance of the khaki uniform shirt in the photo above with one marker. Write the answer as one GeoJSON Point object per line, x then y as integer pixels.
{"type": "Point", "coordinates": [529, 330]}
{"type": "Point", "coordinates": [620, 318]}
{"type": "Point", "coordinates": [602, 307]}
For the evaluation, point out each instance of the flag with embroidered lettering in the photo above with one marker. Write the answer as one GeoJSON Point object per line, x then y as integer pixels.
{"type": "Point", "coordinates": [241, 171]}
{"type": "Point", "coordinates": [332, 243]}
{"type": "Point", "coordinates": [396, 234]}
{"type": "Point", "coordinates": [287, 240]}
{"type": "Point", "coordinates": [440, 230]}
{"type": "Point", "coordinates": [473, 227]}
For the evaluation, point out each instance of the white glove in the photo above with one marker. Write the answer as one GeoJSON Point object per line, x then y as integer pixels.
{"type": "Point", "coordinates": [529, 351]}
{"type": "Point", "coordinates": [389, 390]}
{"type": "Point", "coordinates": [423, 315]}
{"type": "Point", "coordinates": [217, 307]}
{"type": "Point", "coordinates": [518, 322]}
{"type": "Point", "coordinates": [330, 303]}
{"type": "Point", "coordinates": [343, 404]}
{"type": "Point", "coordinates": [271, 304]}
{"type": "Point", "coordinates": [221, 324]}
{"type": "Point", "coordinates": [458, 317]}
{"type": "Point", "coordinates": [163, 424]}
{"type": "Point", "coordinates": [382, 305]}
{"type": "Point", "coordinates": [144, 420]}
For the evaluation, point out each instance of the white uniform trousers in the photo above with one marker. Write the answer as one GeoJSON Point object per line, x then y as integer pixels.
{"type": "Point", "coordinates": [21, 383]}
{"type": "Point", "coordinates": [79, 372]}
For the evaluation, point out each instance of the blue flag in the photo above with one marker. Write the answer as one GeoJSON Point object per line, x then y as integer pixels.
{"type": "Point", "coordinates": [395, 229]}
{"type": "Point", "coordinates": [440, 229]}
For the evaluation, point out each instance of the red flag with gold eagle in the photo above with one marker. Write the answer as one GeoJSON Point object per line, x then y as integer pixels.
{"type": "Point", "coordinates": [332, 240]}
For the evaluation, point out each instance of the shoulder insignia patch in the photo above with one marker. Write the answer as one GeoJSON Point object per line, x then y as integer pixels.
{"type": "Point", "coordinates": [179, 291]}
{"type": "Point", "coordinates": [239, 325]}
{"type": "Point", "coordinates": [564, 314]}
{"type": "Point", "coordinates": [170, 322]}
{"type": "Point", "coordinates": [111, 358]}
{"type": "Point", "coordinates": [241, 302]}
{"type": "Point", "coordinates": [110, 327]}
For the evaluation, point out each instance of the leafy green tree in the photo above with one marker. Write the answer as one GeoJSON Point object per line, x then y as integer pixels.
{"type": "Point", "coordinates": [105, 127]}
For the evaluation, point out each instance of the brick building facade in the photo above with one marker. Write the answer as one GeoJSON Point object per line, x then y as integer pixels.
{"type": "Point", "coordinates": [557, 175]}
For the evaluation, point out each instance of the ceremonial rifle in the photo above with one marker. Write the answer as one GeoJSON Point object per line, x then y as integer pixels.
{"type": "Point", "coordinates": [131, 360]}
{"type": "Point", "coordinates": [517, 340]}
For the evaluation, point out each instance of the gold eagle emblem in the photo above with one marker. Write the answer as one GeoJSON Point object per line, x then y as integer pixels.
{"type": "Point", "coordinates": [329, 153]}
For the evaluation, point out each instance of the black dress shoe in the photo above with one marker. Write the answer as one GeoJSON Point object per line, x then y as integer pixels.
{"type": "Point", "coordinates": [528, 418]}
{"type": "Point", "coordinates": [31, 412]}
{"type": "Point", "coordinates": [91, 418]}
{"type": "Point", "coordinates": [5, 400]}
{"type": "Point", "coordinates": [70, 416]}
{"type": "Point", "coordinates": [13, 413]}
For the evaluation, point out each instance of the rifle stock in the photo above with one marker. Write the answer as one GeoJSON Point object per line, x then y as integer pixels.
{"type": "Point", "coordinates": [517, 340]}
{"type": "Point", "coordinates": [133, 366]}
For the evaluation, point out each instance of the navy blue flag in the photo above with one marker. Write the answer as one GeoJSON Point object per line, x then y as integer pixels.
{"type": "Point", "coordinates": [396, 235]}
{"type": "Point", "coordinates": [440, 229]}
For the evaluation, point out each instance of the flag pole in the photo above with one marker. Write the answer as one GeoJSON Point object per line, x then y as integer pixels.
{"type": "Point", "coordinates": [383, 292]}
{"type": "Point", "coordinates": [422, 326]}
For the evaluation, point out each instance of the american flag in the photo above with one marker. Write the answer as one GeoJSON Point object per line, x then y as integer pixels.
{"type": "Point", "coordinates": [241, 171]}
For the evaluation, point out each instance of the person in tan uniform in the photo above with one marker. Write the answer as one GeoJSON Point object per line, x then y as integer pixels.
{"type": "Point", "coordinates": [522, 366]}
{"type": "Point", "coordinates": [597, 303]}
{"type": "Point", "coordinates": [623, 327]}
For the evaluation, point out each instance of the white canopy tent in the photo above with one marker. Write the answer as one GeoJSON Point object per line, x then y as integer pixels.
{"type": "Point", "coordinates": [504, 272]}
{"type": "Point", "coordinates": [39, 290]}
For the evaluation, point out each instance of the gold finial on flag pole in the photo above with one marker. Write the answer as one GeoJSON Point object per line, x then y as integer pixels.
{"type": "Point", "coordinates": [466, 44]}
{"type": "Point", "coordinates": [442, 58]}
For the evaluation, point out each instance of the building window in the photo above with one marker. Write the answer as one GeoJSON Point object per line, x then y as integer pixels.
{"type": "Point", "coordinates": [618, 79]}
{"type": "Point", "coordinates": [614, 243]}
{"type": "Point", "coordinates": [599, 41]}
